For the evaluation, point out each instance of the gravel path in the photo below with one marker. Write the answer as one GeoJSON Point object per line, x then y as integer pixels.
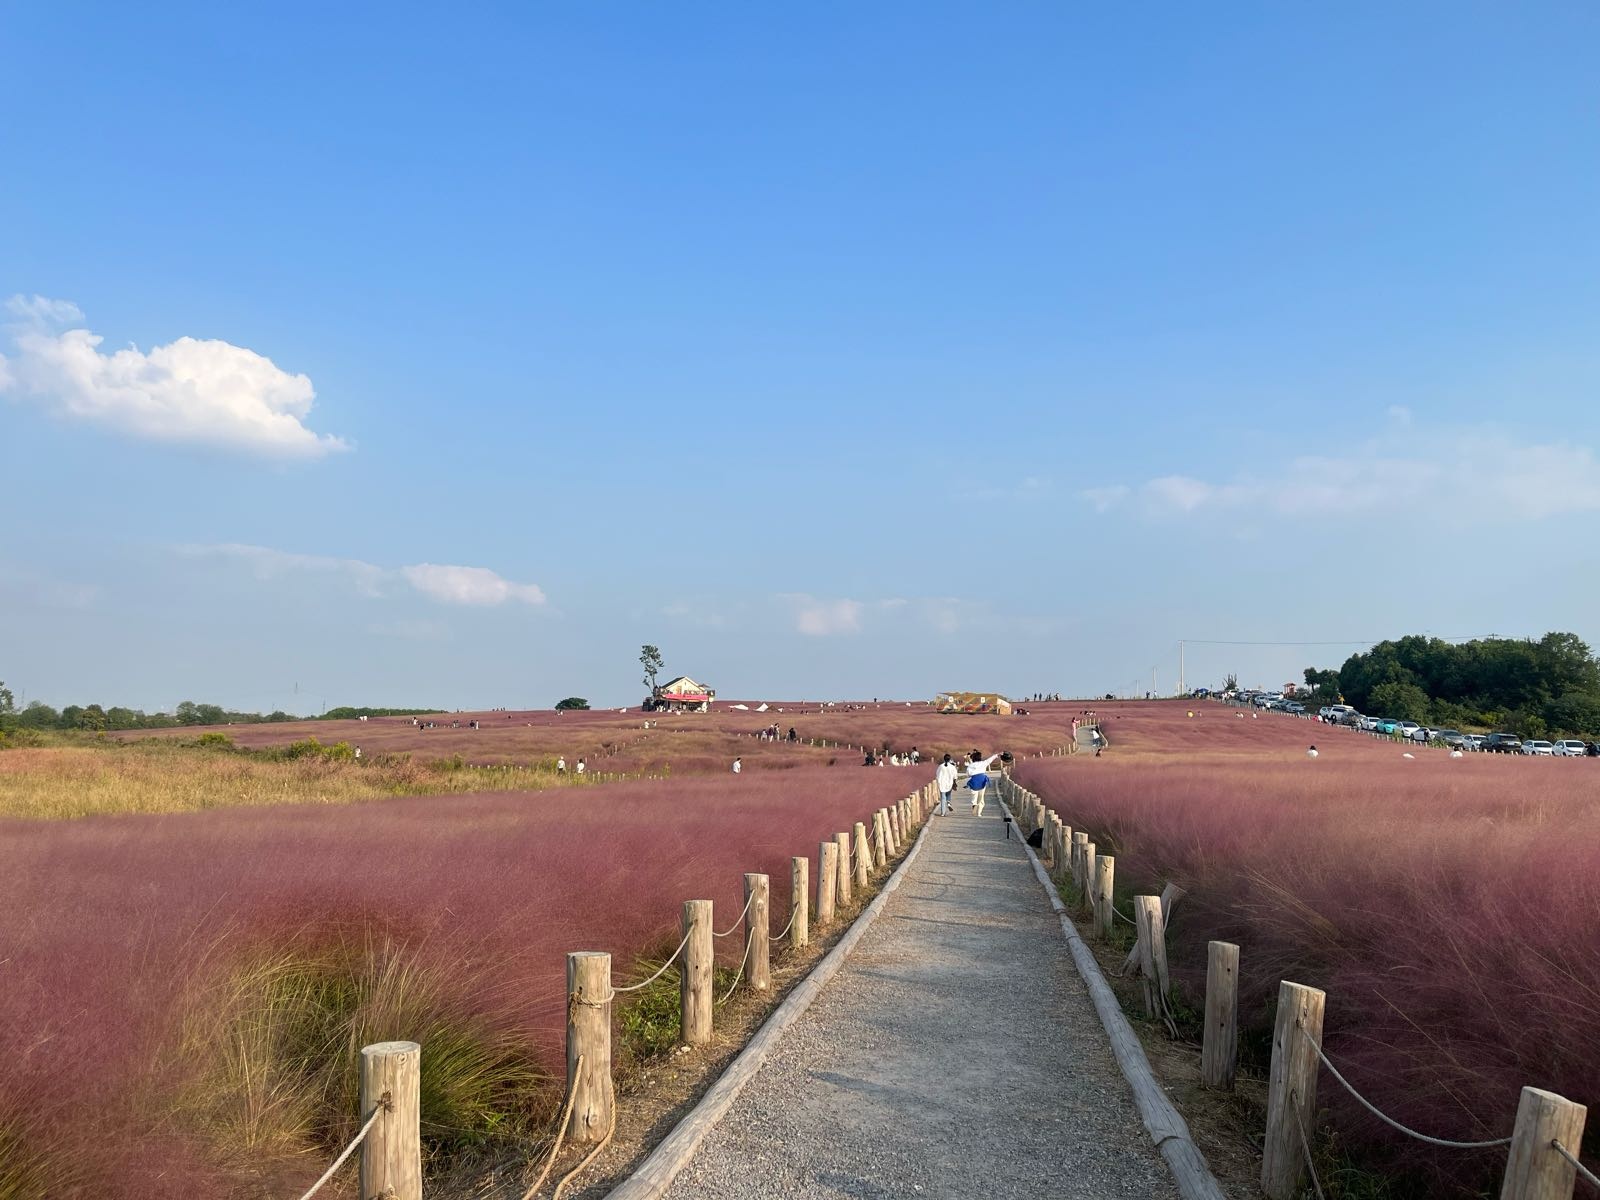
{"type": "Point", "coordinates": [955, 1054]}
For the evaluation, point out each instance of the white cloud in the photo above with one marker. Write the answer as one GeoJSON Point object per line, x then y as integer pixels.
{"type": "Point", "coordinates": [473, 586]}
{"type": "Point", "coordinates": [194, 391]}
{"type": "Point", "coordinates": [1409, 467]}
{"type": "Point", "coordinates": [824, 618]}
{"type": "Point", "coordinates": [477, 586]}
{"type": "Point", "coordinates": [41, 310]}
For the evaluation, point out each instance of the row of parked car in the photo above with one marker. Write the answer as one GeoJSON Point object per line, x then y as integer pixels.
{"type": "Point", "coordinates": [1454, 739]}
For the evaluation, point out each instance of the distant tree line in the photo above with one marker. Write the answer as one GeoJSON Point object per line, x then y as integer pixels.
{"type": "Point", "coordinates": [97, 718]}
{"type": "Point", "coordinates": [1544, 688]}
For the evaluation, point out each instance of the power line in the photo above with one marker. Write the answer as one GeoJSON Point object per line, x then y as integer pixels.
{"type": "Point", "coordinates": [1470, 637]}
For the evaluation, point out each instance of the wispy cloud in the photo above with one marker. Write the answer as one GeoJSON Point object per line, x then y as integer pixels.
{"type": "Point", "coordinates": [203, 392]}
{"type": "Point", "coordinates": [1409, 466]}
{"type": "Point", "coordinates": [477, 587]}
{"type": "Point", "coordinates": [817, 616]}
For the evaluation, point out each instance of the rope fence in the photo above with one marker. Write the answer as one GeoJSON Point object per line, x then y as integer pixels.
{"type": "Point", "coordinates": [378, 1110]}
{"type": "Point", "coordinates": [1539, 1163]}
{"type": "Point", "coordinates": [390, 1137]}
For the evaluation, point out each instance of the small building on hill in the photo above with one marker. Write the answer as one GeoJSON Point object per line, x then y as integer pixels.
{"type": "Point", "coordinates": [991, 703]}
{"type": "Point", "coordinates": [680, 695]}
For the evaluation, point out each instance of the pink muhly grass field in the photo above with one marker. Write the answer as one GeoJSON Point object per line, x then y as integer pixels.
{"type": "Point", "coordinates": [111, 924]}
{"type": "Point", "coordinates": [1449, 907]}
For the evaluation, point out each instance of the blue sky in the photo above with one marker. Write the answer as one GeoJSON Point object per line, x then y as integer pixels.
{"type": "Point", "coordinates": [447, 353]}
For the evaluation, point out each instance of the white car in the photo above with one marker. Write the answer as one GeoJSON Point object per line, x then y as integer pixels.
{"type": "Point", "coordinates": [1407, 729]}
{"type": "Point", "coordinates": [1536, 746]}
{"type": "Point", "coordinates": [1570, 748]}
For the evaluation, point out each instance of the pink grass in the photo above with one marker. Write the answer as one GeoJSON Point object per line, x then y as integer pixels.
{"type": "Point", "coordinates": [105, 919]}
{"type": "Point", "coordinates": [1449, 907]}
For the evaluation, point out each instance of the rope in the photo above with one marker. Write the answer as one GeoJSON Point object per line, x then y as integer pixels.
{"type": "Point", "coordinates": [740, 975]}
{"type": "Point", "coordinates": [672, 958]}
{"type": "Point", "coordinates": [595, 1153]}
{"type": "Point", "coordinates": [778, 937]}
{"type": "Point", "coordinates": [1123, 915]}
{"type": "Point", "coordinates": [732, 928]}
{"type": "Point", "coordinates": [1388, 1120]}
{"type": "Point", "coordinates": [561, 1133]}
{"type": "Point", "coordinates": [1584, 1173]}
{"type": "Point", "coordinates": [381, 1107]}
{"type": "Point", "coordinates": [1306, 1146]}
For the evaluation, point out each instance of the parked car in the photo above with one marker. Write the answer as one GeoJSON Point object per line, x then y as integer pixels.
{"type": "Point", "coordinates": [1409, 730]}
{"type": "Point", "coordinates": [1454, 738]}
{"type": "Point", "coordinates": [1475, 741]}
{"type": "Point", "coordinates": [1367, 724]}
{"type": "Point", "coordinates": [1503, 743]}
{"type": "Point", "coordinates": [1594, 749]}
{"type": "Point", "coordinates": [1295, 707]}
{"type": "Point", "coordinates": [1334, 714]}
{"type": "Point", "coordinates": [1570, 748]}
{"type": "Point", "coordinates": [1387, 725]}
{"type": "Point", "coordinates": [1537, 746]}
{"type": "Point", "coordinates": [1351, 718]}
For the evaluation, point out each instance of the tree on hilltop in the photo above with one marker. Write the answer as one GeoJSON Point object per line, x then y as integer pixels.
{"type": "Point", "coordinates": [571, 703]}
{"type": "Point", "coordinates": [650, 656]}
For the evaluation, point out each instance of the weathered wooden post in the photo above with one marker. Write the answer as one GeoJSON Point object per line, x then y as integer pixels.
{"type": "Point", "coordinates": [896, 833]}
{"type": "Point", "coordinates": [758, 931]}
{"type": "Point", "coordinates": [1063, 868]}
{"type": "Point", "coordinates": [842, 890]}
{"type": "Point", "coordinates": [863, 857]}
{"type": "Point", "coordinates": [391, 1155]}
{"type": "Point", "coordinates": [1105, 868]}
{"type": "Point", "coordinates": [1080, 839]}
{"type": "Point", "coordinates": [1219, 1047]}
{"type": "Point", "coordinates": [827, 880]}
{"type": "Point", "coordinates": [589, 1041]}
{"type": "Point", "coordinates": [1535, 1169]}
{"type": "Point", "coordinates": [880, 850]}
{"type": "Point", "coordinates": [1170, 895]}
{"type": "Point", "coordinates": [1291, 1088]}
{"type": "Point", "coordinates": [1087, 893]}
{"type": "Point", "coordinates": [1152, 952]}
{"type": "Point", "coordinates": [799, 901]}
{"type": "Point", "coordinates": [695, 974]}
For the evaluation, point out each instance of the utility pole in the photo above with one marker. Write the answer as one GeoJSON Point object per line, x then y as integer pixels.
{"type": "Point", "coordinates": [1182, 691]}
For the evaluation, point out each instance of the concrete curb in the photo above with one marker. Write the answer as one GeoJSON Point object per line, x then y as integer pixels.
{"type": "Point", "coordinates": [662, 1165]}
{"type": "Point", "coordinates": [1166, 1125]}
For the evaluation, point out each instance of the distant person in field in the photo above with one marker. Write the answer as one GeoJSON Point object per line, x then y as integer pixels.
{"type": "Point", "coordinates": [916, 756]}
{"type": "Point", "coordinates": [737, 766]}
{"type": "Point", "coordinates": [945, 778]}
{"type": "Point", "coordinates": [561, 765]}
{"type": "Point", "coordinates": [793, 736]}
{"type": "Point", "coordinates": [358, 752]}
{"type": "Point", "coordinates": [978, 779]}
{"type": "Point", "coordinates": [1311, 753]}
{"type": "Point", "coordinates": [581, 767]}
{"type": "Point", "coordinates": [868, 761]}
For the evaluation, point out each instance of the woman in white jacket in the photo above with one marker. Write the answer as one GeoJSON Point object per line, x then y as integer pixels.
{"type": "Point", "coordinates": [978, 779]}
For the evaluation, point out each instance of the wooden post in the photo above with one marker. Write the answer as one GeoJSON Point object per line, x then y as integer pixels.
{"type": "Point", "coordinates": [1063, 868]}
{"type": "Point", "coordinates": [1219, 1048]}
{"type": "Point", "coordinates": [842, 891]}
{"type": "Point", "coordinates": [863, 857]}
{"type": "Point", "coordinates": [1087, 891]}
{"type": "Point", "coordinates": [1291, 1089]}
{"type": "Point", "coordinates": [589, 1038]}
{"type": "Point", "coordinates": [391, 1155]}
{"type": "Point", "coordinates": [880, 850]}
{"type": "Point", "coordinates": [800, 901]}
{"type": "Point", "coordinates": [758, 931]}
{"type": "Point", "coordinates": [1534, 1170]}
{"type": "Point", "coordinates": [1170, 895]}
{"type": "Point", "coordinates": [896, 834]}
{"type": "Point", "coordinates": [695, 976]}
{"type": "Point", "coordinates": [827, 880]}
{"type": "Point", "coordinates": [1152, 952]}
{"type": "Point", "coordinates": [1080, 839]}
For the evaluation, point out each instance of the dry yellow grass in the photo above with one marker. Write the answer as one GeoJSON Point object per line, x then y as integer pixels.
{"type": "Point", "coordinates": [64, 782]}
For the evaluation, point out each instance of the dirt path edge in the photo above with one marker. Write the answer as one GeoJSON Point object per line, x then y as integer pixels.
{"type": "Point", "coordinates": [661, 1166]}
{"type": "Point", "coordinates": [1166, 1125]}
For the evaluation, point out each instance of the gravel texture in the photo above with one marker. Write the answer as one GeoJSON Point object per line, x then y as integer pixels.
{"type": "Point", "coordinates": [955, 1054]}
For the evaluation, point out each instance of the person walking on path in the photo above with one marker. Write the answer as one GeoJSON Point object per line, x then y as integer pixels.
{"type": "Point", "coordinates": [978, 779]}
{"type": "Point", "coordinates": [945, 778]}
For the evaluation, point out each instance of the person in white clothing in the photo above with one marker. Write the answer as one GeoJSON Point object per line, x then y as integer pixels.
{"type": "Point", "coordinates": [978, 779]}
{"type": "Point", "coordinates": [736, 766]}
{"type": "Point", "coordinates": [945, 778]}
